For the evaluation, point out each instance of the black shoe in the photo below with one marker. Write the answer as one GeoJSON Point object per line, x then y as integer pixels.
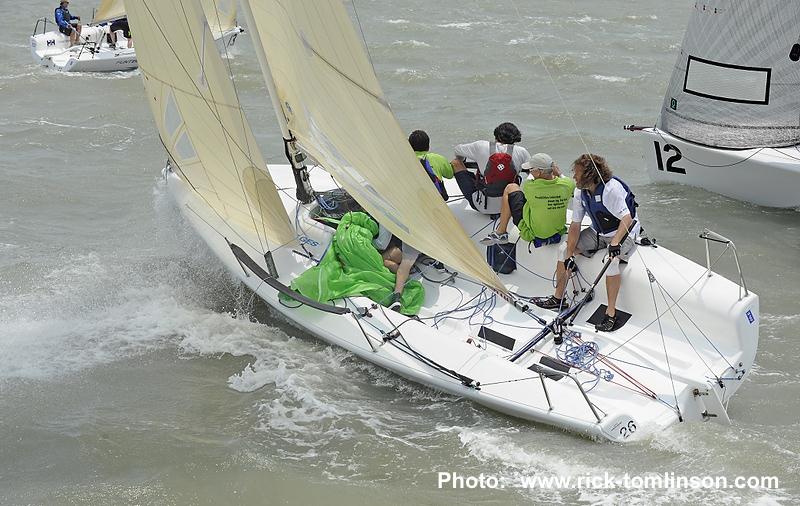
{"type": "Point", "coordinates": [394, 302]}
{"type": "Point", "coordinates": [607, 325]}
{"type": "Point", "coordinates": [551, 303]}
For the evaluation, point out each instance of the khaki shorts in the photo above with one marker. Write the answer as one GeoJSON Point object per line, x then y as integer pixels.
{"type": "Point", "coordinates": [591, 242]}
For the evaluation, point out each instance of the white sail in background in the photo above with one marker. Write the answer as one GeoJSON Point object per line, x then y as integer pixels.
{"type": "Point", "coordinates": [200, 119]}
{"type": "Point", "coordinates": [736, 83]}
{"type": "Point", "coordinates": [334, 106]}
{"type": "Point", "coordinates": [221, 15]}
{"type": "Point", "coordinates": [109, 10]}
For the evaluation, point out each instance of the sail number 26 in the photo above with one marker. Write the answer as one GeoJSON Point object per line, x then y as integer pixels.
{"type": "Point", "coordinates": [626, 430]}
{"type": "Point", "coordinates": [668, 148]}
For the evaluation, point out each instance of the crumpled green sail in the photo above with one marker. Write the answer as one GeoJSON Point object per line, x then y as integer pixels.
{"type": "Point", "coordinates": [352, 266]}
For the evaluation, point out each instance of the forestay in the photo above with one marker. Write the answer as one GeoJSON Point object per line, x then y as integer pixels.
{"type": "Point", "coordinates": [200, 120]}
{"type": "Point", "coordinates": [334, 106]}
{"type": "Point", "coordinates": [109, 10]}
{"type": "Point", "coordinates": [221, 15]}
{"type": "Point", "coordinates": [735, 84]}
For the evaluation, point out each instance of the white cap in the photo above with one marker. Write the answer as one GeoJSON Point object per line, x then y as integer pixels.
{"type": "Point", "coordinates": [539, 161]}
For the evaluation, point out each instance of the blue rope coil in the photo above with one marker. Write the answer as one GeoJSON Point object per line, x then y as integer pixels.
{"type": "Point", "coordinates": [583, 356]}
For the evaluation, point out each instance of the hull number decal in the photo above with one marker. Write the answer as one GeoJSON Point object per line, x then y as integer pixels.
{"type": "Point", "coordinates": [626, 430]}
{"type": "Point", "coordinates": [668, 148]}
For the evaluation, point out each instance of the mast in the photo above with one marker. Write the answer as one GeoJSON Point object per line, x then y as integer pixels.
{"type": "Point", "coordinates": [304, 192]}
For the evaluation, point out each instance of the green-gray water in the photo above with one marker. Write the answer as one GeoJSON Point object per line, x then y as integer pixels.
{"type": "Point", "coordinates": [130, 363]}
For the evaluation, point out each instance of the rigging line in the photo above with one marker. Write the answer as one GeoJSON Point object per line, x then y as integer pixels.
{"type": "Point", "coordinates": [199, 94]}
{"type": "Point", "coordinates": [695, 325]}
{"type": "Point", "coordinates": [622, 372]}
{"type": "Point", "coordinates": [244, 123]}
{"type": "Point", "coordinates": [244, 240]}
{"type": "Point", "coordinates": [208, 204]}
{"type": "Point", "coordinates": [202, 59]}
{"type": "Point", "coordinates": [558, 93]}
{"type": "Point", "coordinates": [664, 344]}
{"type": "Point", "coordinates": [664, 295]}
{"type": "Point", "coordinates": [613, 382]}
{"type": "Point", "coordinates": [307, 44]}
{"type": "Point", "coordinates": [410, 351]}
{"type": "Point", "coordinates": [754, 153]}
{"type": "Point", "coordinates": [634, 336]}
{"type": "Point", "coordinates": [363, 38]}
{"type": "Point", "coordinates": [465, 380]}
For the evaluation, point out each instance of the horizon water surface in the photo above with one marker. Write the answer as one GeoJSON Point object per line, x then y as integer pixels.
{"type": "Point", "coordinates": [134, 370]}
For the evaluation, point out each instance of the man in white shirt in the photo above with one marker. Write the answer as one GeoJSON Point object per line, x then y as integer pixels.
{"type": "Point", "coordinates": [610, 204]}
{"type": "Point", "coordinates": [487, 198]}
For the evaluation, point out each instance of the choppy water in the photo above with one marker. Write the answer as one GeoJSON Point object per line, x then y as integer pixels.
{"type": "Point", "coordinates": [134, 371]}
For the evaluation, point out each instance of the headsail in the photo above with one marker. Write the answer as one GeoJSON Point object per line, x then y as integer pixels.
{"type": "Point", "coordinates": [335, 108]}
{"type": "Point", "coordinates": [736, 83]}
{"type": "Point", "coordinates": [109, 10]}
{"type": "Point", "coordinates": [200, 120]}
{"type": "Point", "coordinates": [221, 15]}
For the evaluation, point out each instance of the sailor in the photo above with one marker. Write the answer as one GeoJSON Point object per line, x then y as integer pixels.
{"type": "Point", "coordinates": [68, 24]}
{"type": "Point", "coordinates": [398, 256]}
{"type": "Point", "coordinates": [119, 24]}
{"type": "Point", "coordinates": [611, 207]}
{"type": "Point", "coordinates": [421, 144]}
{"type": "Point", "coordinates": [539, 208]}
{"type": "Point", "coordinates": [498, 165]}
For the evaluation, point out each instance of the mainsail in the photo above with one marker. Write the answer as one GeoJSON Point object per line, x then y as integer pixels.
{"type": "Point", "coordinates": [109, 10]}
{"type": "Point", "coordinates": [736, 83]}
{"type": "Point", "coordinates": [334, 106]}
{"type": "Point", "coordinates": [221, 15]}
{"type": "Point", "coordinates": [200, 120]}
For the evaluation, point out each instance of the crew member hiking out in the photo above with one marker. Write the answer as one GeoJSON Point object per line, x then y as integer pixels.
{"type": "Point", "coordinates": [611, 207]}
{"type": "Point", "coordinates": [68, 24]}
{"type": "Point", "coordinates": [498, 165]}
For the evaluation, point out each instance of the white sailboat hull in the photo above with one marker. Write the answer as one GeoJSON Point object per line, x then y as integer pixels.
{"type": "Point", "coordinates": [683, 384]}
{"type": "Point", "coordinates": [52, 50]}
{"type": "Point", "coordinates": [764, 176]}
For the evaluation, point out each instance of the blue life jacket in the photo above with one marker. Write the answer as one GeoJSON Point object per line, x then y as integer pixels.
{"type": "Point", "coordinates": [602, 220]}
{"type": "Point", "coordinates": [437, 182]}
{"type": "Point", "coordinates": [63, 17]}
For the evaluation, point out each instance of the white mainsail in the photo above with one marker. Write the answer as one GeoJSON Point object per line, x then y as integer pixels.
{"type": "Point", "coordinates": [334, 106]}
{"type": "Point", "coordinates": [221, 15]}
{"type": "Point", "coordinates": [109, 10]}
{"type": "Point", "coordinates": [735, 84]}
{"type": "Point", "coordinates": [200, 120]}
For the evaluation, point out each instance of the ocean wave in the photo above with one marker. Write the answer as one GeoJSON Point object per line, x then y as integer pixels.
{"type": "Point", "coordinates": [611, 79]}
{"type": "Point", "coordinates": [467, 25]}
{"type": "Point", "coordinates": [410, 43]}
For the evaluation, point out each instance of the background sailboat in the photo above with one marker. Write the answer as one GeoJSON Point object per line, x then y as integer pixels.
{"type": "Point", "coordinates": [330, 105]}
{"type": "Point", "coordinates": [51, 48]}
{"type": "Point", "coordinates": [729, 122]}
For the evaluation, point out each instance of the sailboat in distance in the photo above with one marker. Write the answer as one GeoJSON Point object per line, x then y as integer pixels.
{"type": "Point", "coordinates": [94, 52]}
{"type": "Point", "coordinates": [729, 122]}
{"type": "Point", "coordinates": [691, 335]}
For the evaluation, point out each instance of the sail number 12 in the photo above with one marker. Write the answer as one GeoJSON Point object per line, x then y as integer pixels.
{"type": "Point", "coordinates": [671, 160]}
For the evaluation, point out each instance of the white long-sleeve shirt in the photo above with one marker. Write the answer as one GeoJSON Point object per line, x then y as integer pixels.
{"type": "Point", "coordinates": [479, 151]}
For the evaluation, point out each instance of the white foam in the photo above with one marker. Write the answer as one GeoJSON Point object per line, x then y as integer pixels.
{"type": "Point", "coordinates": [410, 43]}
{"type": "Point", "coordinates": [397, 21]}
{"type": "Point", "coordinates": [611, 79]}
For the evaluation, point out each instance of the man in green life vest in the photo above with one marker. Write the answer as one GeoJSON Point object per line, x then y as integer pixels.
{"type": "Point", "coordinates": [539, 208]}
